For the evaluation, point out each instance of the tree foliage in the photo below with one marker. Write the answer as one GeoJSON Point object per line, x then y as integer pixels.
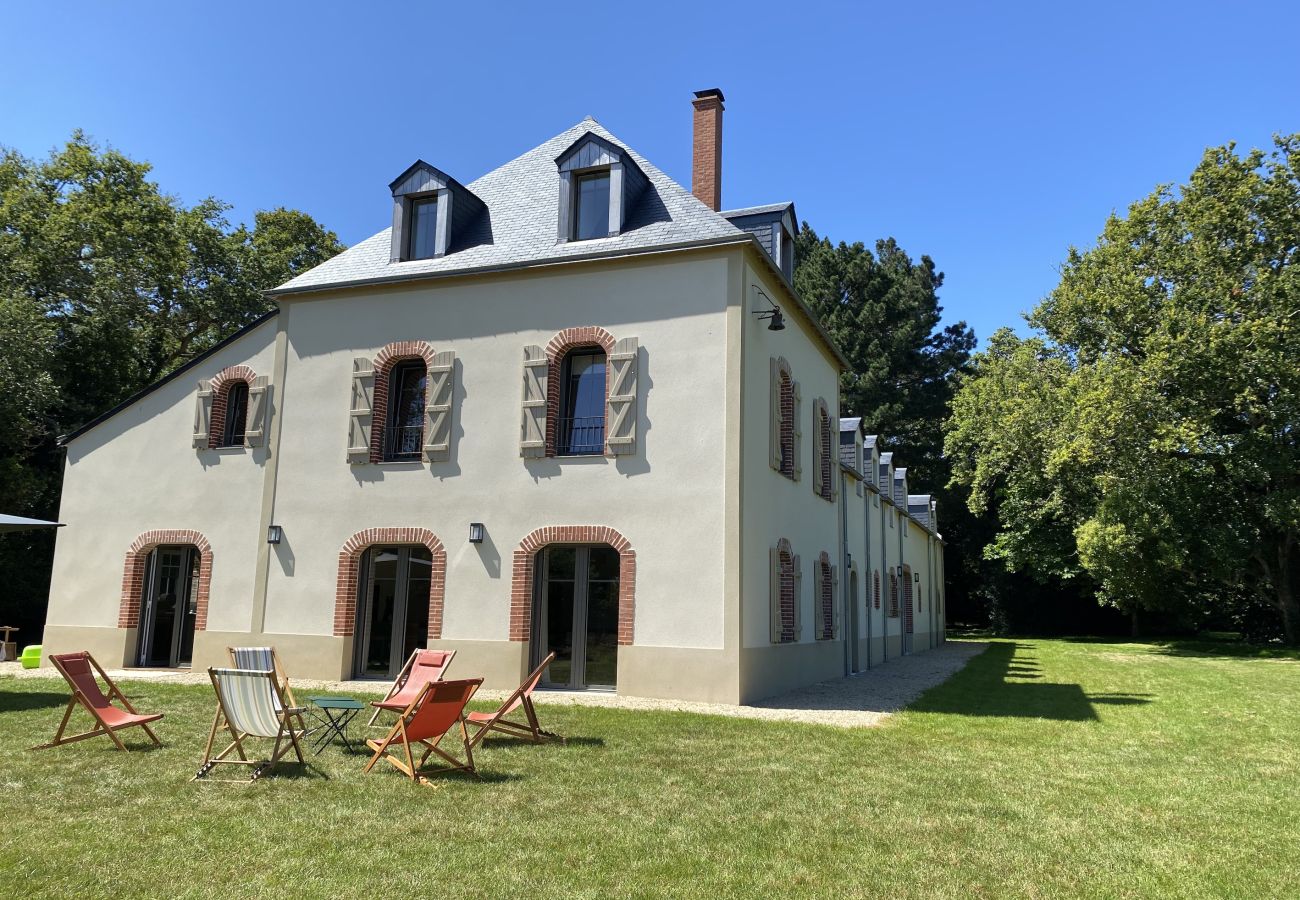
{"type": "Point", "coordinates": [107, 284]}
{"type": "Point", "coordinates": [1144, 438]}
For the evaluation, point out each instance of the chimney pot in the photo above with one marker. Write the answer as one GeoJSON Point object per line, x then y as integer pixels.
{"type": "Point", "coordinates": [706, 163]}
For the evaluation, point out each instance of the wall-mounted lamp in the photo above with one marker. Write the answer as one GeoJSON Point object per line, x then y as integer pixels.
{"type": "Point", "coordinates": [773, 317]}
{"type": "Point", "coordinates": [476, 532]}
{"type": "Point", "coordinates": [274, 534]}
{"type": "Point", "coordinates": [916, 576]}
{"type": "Point", "coordinates": [848, 560]}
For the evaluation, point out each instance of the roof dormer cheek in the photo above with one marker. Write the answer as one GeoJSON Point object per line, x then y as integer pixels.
{"type": "Point", "coordinates": [599, 184]}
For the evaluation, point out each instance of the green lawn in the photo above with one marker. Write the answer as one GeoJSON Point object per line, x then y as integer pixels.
{"type": "Point", "coordinates": [1046, 768]}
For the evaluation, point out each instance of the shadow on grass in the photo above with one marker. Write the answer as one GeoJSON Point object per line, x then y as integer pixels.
{"type": "Point", "coordinates": [993, 684]}
{"type": "Point", "coordinates": [1198, 646]}
{"type": "Point", "coordinates": [23, 700]}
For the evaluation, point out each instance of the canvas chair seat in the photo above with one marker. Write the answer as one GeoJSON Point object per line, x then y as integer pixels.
{"type": "Point", "coordinates": [262, 659]}
{"type": "Point", "coordinates": [529, 729]}
{"type": "Point", "coordinates": [436, 710]}
{"type": "Point", "coordinates": [423, 667]}
{"type": "Point", "coordinates": [250, 704]}
{"type": "Point", "coordinates": [79, 670]}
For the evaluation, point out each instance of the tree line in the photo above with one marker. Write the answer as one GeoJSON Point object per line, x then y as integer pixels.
{"type": "Point", "coordinates": [1137, 450]}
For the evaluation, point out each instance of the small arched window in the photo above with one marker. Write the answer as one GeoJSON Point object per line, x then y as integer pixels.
{"type": "Point", "coordinates": [235, 426]}
{"type": "Point", "coordinates": [404, 431]}
{"type": "Point", "coordinates": [581, 428]}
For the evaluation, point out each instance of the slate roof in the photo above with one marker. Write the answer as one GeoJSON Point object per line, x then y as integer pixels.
{"type": "Point", "coordinates": [519, 226]}
{"type": "Point", "coordinates": [757, 210]}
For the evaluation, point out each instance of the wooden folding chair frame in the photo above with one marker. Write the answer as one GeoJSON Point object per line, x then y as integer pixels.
{"type": "Point", "coordinates": [101, 727]}
{"type": "Point", "coordinates": [281, 678]}
{"type": "Point", "coordinates": [400, 681]}
{"type": "Point", "coordinates": [529, 730]}
{"type": "Point", "coordinates": [287, 714]}
{"type": "Point", "coordinates": [416, 771]}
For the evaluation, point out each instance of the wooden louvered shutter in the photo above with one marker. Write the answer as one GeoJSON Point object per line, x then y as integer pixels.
{"type": "Point", "coordinates": [819, 448]}
{"type": "Point", "coordinates": [774, 418]}
{"type": "Point", "coordinates": [203, 415]}
{"type": "Point", "coordinates": [832, 447]}
{"type": "Point", "coordinates": [836, 602]}
{"type": "Point", "coordinates": [359, 416]}
{"type": "Point", "coordinates": [774, 558]}
{"type": "Point", "coordinates": [259, 400]}
{"type": "Point", "coordinates": [620, 405]}
{"type": "Point", "coordinates": [440, 389]}
{"type": "Point", "coordinates": [819, 607]}
{"type": "Point", "coordinates": [532, 430]}
{"type": "Point", "coordinates": [798, 597]}
{"type": "Point", "coordinates": [796, 427]}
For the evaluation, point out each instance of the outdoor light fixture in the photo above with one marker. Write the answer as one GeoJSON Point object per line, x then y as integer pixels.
{"type": "Point", "coordinates": [274, 534]}
{"type": "Point", "coordinates": [916, 576]}
{"type": "Point", "coordinates": [476, 532]}
{"type": "Point", "coordinates": [773, 317]}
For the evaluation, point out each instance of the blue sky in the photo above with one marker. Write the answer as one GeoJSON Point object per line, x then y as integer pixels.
{"type": "Point", "coordinates": [989, 136]}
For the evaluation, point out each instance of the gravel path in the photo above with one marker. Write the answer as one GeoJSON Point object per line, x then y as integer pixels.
{"type": "Point", "coordinates": [856, 702]}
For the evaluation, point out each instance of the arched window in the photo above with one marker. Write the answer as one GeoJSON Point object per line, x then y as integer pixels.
{"type": "Point", "coordinates": [236, 422]}
{"type": "Point", "coordinates": [404, 430]}
{"type": "Point", "coordinates": [581, 427]}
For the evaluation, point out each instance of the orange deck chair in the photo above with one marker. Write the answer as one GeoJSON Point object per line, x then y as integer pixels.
{"type": "Point", "coordinates": [423, 667]}
{"type": "Point", "coordinates": [79, 670]}
{"type": "Point", "coordinates": [529, 730]}
{"type": "Point", "coordinates": [436, 710]}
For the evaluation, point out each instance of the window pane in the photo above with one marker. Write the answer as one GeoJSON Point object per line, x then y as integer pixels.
{"type": "Point", "coordinates": [424, 220]}
{"type": "Point", "coordinates": [561, 563]}
{"type": "Point", "coordinates": [592, 207]}
{"type": "Point", "coordinates": [406, 413]}
{"type": "Point", "coordinates": [582, 428]}
{"type": "Point", "coordinates": [418, 580]}
{"type": "Point", "coordinates": [603, 565]}
{"type": "Point", "coordinates": [236, 414]}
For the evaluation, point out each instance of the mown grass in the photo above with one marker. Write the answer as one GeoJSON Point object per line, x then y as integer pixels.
{"type": "Point", "coordinates": [1044, 769]}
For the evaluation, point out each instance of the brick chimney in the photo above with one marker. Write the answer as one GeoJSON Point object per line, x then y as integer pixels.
{"type": "Point", "coordinates": [706, 166]}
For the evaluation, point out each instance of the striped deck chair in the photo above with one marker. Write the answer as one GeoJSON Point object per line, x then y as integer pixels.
{"type": "Point", "coordinates": [78, 670]}
{"type": "Point", "coordinates": [250, 705]}
{"type": "Point", "coordinates": [262, 659]}
{"type": "Point", "coordinates": [423, 667]}
{"type": "Point", "coordinates": [436, 710]}
{"type": "Point", "coordinates": [528, 729]}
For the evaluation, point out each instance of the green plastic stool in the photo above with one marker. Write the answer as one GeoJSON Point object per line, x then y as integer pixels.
{"type": "Point", "coordinates": [31, 657]}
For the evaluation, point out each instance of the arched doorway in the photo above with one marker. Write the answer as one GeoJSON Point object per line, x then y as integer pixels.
{"type": "Point", "coordinates": [169, 607]}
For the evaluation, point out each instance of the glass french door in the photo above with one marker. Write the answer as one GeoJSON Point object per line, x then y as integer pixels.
{"type": "Point", "coordinates": [576, 615]}
{"type": "Point", "coordinates": [392, 609]}
{"type": "Point", "coordinates": [169, 607]}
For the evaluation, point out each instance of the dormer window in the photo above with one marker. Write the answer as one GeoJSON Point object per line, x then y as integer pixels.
{"type": "Point", "coordinates": [591, 206]}
{"type": "Point", "coordinates": [433, 214]}
{"type": "Point", "coordinates": [600, 185]}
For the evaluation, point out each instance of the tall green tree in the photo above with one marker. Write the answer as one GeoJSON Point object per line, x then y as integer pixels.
{"type": "Point", "coordinates": [106, 285]}
{"type": "Point", "coordinates": [882, 308]}
{"type": "Point", "coordinates": [1145, 437]}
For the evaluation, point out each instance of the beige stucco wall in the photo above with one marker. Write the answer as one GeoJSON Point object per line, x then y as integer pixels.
{"type": "Point", "coordinates": [775, 506]}
{"type": "Point", "coordinates": [666, 499]}
{"type": "Point", "coordinates": [138, 472]}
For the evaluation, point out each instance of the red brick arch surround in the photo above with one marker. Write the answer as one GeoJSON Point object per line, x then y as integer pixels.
{"type": "Point", "coordinates": [222, 382]}
{"type": "Point", "coordinates": [345, 587]}
{"type": "Point", "coordinates": [137, 556]}
{"type": "Point", "coordinates": [389, 356]}
{"type": "Point", "coordinates": [559, 347]}
{"type": "Point", "coordinates": [521, 585]}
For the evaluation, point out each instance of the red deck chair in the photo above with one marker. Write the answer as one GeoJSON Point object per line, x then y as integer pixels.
{"type": "Point", "coordinates": [437, 709]}
{"type": "Point", "coordinates": [79, 669]}
{"type": "Point", "coordinates": [529, 730]}
{"type": "Point", "coordinates": [423, 667]}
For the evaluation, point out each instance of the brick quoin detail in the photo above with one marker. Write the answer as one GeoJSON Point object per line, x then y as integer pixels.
{"type": "Point", "coordinates": [222, 382]}
{"type": "Point", "coordinates": [521, 582]}
{"type": "Point", "coordinates": [345, 587]}
{"type": "Point", "coordinates": [389, 356]}
{"type": "Point", "coordinates": [567, 340]}
{"type": "Point", "coordinates": [137, 556]}
{"type": "Point", "coordinates": [785, 559]}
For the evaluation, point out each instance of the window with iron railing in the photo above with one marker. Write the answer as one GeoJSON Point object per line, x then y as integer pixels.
{"type": "Point", "coordinates": [580, 430]}
{"type": "Point", "coordinates": [404, 433]}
